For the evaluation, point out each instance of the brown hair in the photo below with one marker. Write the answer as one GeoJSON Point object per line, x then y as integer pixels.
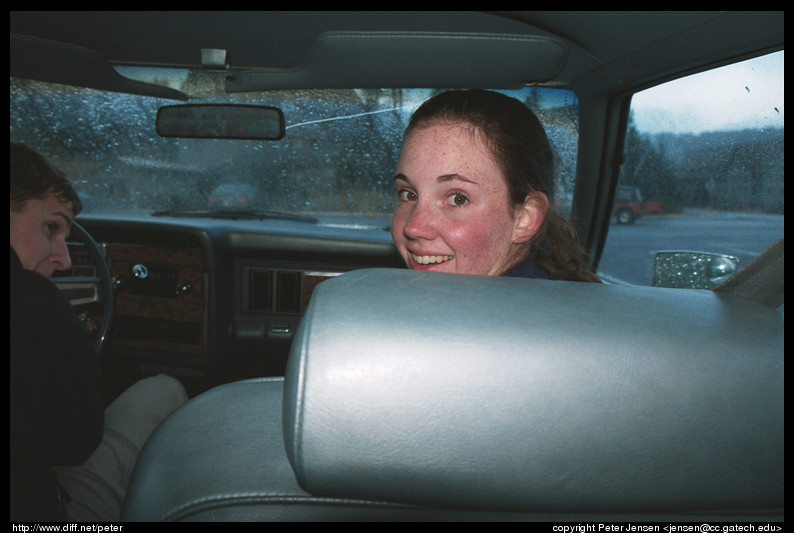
{"type": "Point", "coordinates": [520, 147]}
{"type": "Point", "coordinates": [34, 176]}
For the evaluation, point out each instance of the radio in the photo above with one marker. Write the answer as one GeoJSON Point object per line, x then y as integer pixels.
{"type": "Point", "coordinates": [156, 280]}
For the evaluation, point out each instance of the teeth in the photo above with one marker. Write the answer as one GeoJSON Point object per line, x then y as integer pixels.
{"type": "Point", "coordinates": [431, 259]}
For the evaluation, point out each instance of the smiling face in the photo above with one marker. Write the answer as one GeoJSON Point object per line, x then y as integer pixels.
{"type": "Point", "coordinates": [38, 234]}
{"type": "Point", "coordinates": [453, 213]}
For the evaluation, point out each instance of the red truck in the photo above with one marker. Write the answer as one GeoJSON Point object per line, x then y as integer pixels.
{"type": "Point", "coordinates": [629, 205]}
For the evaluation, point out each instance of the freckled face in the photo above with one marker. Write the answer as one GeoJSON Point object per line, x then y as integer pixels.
{"type": "Point", "coordinates": [452, 213]}
{"type": "Point", "coordinates": [39, 232]}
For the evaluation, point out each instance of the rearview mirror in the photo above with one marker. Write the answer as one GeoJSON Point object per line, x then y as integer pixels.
{"type": "Point", "coordinates": [692, 270]}
{"type": "Point", "coordinates": [221, 121]}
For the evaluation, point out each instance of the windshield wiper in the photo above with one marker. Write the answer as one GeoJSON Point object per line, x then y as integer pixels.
{"type": "Point", "coordinates": [234, 214]}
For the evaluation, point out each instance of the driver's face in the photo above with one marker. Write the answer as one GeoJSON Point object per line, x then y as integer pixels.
{"type": "Point", "coordinates": [39, 232]}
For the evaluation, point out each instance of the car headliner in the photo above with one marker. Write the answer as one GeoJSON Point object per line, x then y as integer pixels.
{"type": "Point", "coordinates": [606, 51]}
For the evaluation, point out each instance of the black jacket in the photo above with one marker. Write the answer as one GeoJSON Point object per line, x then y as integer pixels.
{"type": "Point", "coordinates": [56, 406]}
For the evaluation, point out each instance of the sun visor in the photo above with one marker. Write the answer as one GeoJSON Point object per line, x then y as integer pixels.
{"type": "Point", "coordinates": [43, 60]}
{"type": "Point", "coordinates": [390, 59]}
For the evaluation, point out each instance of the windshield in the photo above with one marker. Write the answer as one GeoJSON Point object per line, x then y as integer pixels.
{"type": "Point", "coordinates": [337, 156]}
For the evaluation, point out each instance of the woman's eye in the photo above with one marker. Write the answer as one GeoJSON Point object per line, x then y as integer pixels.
{"type": "Point", "coordinates": [406, 196]}
{"type": "Point", "coordinates": [457, 199]}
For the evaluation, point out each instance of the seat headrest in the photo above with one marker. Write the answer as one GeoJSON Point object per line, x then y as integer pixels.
{"type": "Point", "coordinates": [515, 394]}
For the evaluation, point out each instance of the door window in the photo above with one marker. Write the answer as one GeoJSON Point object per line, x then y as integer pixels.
{"type": "Point", "coordinates": [703, 170]}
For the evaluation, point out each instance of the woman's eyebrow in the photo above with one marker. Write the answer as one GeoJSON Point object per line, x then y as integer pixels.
{"type": "Point", "coordinates": [441, 179]}
{"type": "Point", "coordinates": [452, 177]}
{"type": "Point", "coordinates": [64, 216]}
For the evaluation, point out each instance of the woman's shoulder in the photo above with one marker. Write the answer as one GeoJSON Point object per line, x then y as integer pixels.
{"type": "Point", "coordinates": [526, 270]}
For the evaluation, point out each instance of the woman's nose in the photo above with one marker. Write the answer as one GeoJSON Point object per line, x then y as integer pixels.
{"type": "Point", "coordinates": [421, 222]}
{"type": "Point", "coordinates": [60, 257]}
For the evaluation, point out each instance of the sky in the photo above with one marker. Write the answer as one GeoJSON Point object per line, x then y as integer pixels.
{"type": "Point", "coordinates": [747, 94]}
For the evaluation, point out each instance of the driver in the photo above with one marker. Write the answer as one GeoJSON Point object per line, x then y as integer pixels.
{"type": "Point", "coordinates": [71, 458]}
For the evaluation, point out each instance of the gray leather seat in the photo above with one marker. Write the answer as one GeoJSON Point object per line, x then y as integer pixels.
{"type": "Point", "coordinates": [414, 396]}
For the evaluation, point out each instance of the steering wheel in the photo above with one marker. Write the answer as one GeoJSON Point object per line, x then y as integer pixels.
{"type": "Point", "coordinates": [87, 293]}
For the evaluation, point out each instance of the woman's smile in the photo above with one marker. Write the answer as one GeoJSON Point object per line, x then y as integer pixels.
{"type": "Point", "coordinates": [431, 259]}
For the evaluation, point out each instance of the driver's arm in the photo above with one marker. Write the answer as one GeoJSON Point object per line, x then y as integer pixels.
{"type": "Point", "coordinates": [54, 371]}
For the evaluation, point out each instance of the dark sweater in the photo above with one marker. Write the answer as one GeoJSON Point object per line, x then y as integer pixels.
{"type": "Point", "coordinates": [56, 406]}
{"type": "Point", "coordinates": [526, 271]}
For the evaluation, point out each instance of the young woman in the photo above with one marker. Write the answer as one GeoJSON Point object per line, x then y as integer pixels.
{"type": "Point", "coordinates": [475, 186]}
{"type": "Point", "coordinates": [71, 458]}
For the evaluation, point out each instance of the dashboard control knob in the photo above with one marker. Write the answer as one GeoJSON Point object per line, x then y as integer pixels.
{"type": "Point", "coordinates": [140, 271]}
{"type": "Point", "coordinates": [183, 288]}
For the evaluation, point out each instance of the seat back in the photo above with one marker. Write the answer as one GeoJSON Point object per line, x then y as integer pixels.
{"type": "Point", "coordinates": [528, 395]}
{"type": "Point", "coordinates": [441, 397]}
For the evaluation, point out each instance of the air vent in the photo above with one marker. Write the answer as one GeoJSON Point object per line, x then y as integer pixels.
{"type": "Point", "coordinates": [274, 291]}
{"type": "Point", "coordinates": [288, 292]}
{"type": "Point", "coordinates": [260, 291]}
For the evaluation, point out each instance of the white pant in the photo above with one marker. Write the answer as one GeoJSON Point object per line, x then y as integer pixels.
{"type": "Point", "coordinates": [97, 487]}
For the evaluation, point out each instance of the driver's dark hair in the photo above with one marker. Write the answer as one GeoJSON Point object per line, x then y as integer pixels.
{"type": "Point", "coordinates": [519, 145]}
{"type": "Point", "coordinates": [34, 176]}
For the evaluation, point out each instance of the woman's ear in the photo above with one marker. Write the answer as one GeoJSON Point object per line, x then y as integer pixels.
{"type": "Point", "coordinates": [529, 217]}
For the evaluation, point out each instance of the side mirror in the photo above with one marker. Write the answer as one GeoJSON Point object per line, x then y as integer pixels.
{"type": "Point", "coordinates": [221, 121]}
{"type": "Point", "coordinates": [692, 270]}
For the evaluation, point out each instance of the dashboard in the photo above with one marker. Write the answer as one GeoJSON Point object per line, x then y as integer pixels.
{"type": "Point", "coordinates": [161, 297]}
{"type": "Point", "coordinates": [216, 302]}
